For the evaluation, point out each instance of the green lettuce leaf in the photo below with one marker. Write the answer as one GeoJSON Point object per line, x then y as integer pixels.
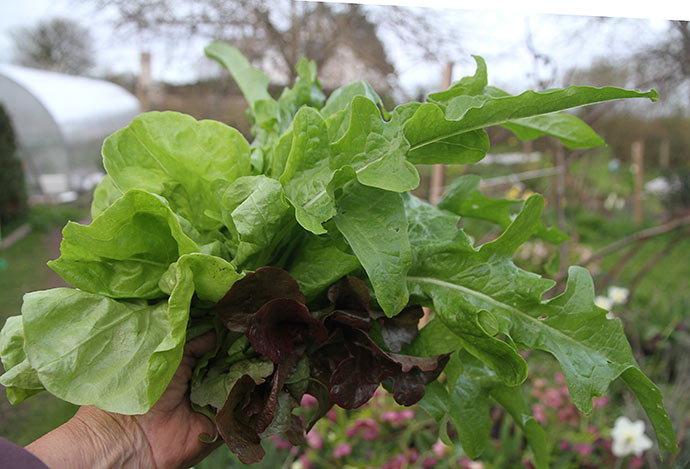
{"type": "Point", "coordinates": [125, 250]}
{"type": "Point", "coordinates": [431, 125]}
{"type": "Point", "coordinates": [319, 263]}
{"type": "Point", "coordinates": [252, 82]}
{"type": "Point", "coordinates": [373, 223]}
{"type": "Point", "coordinates": [20, 379]}
{"type": "Point", "coordinates": [258, 219]}
{"type": "Point", "coordinates": [572, 131]}
{"type": "Point", "coordinates": [466, 86]}
{"type": "Point", "coordinates": [212, 276]}
{"type": "Point", "coordinates": [375, 149]}
{"type": "Point", "coordinates": [179, 158]}
{"type": "Point", "coordinates": [307, 173]}
{"type": "Point", "coordinates": [104, 195]}
{"type": "Point", "coordinates": [592, 350]}
{"type": "Point", "coordinates": [92, 350]}
{"type": "Point", "coordinates": [464, 198]}
{"type": "Point", "coordinates": [341, 98]}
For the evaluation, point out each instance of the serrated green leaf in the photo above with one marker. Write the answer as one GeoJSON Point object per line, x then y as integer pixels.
{"type": "Point", "coordinates": [592, 350]}
{"type": "Point", "coordinates": [569, 129]}
{"type": "Point", "coordinates": [307, 172]}
{"type": "Point", "coordinates": [470, 85]}
{"type": "Point", "coordinates": [341, 98]}
{"type": "Point", "coordinates": [319, 264]}
{"type": "Point", "coordinates": [470, 113]}
{"type": "Point", "coordinates": [375, 149]}
{"type": "Point", "coordinates": [464, 198]}
{"type": "Point", "coordinates": [512, 400]}
{"type": "Point", "coordinates": [433, 139]}
{"type": "Point", "coordinates": [373, 223]}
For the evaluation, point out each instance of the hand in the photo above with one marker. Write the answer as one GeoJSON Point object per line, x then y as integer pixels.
{"type": "Point", "coordinates": [165, 437]}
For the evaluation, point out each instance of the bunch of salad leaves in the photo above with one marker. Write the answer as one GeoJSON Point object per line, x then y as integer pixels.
{"type": "Point", "coordinates": [308, 256]}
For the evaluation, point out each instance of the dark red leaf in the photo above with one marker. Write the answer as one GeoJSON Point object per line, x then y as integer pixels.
{"type": "Point", "coordinates": [239, 435]}
{"type": "Point", "coordinates": [402, 328]}
{"type": "Point", "coordinates": [280, 326]}
{"type": "Point", "coordinates": [350, 299]}
{"type": "Point", "coordinates": [249, 294]}
{"type": "Point", "coordinates": [357, 377]}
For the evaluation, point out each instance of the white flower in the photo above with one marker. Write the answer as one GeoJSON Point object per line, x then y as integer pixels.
{"type": "Point", "coordinates": [629, 438]}
{"type": "Point", "coordinates": [604, 302]}
{"type": "Point", "coordinates": [297, 465]}
{"type": "Point", "coordinates": [619, 295]}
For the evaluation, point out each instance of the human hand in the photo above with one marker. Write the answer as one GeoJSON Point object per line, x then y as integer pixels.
{"type": "Point", "coordinates": [165, 437]}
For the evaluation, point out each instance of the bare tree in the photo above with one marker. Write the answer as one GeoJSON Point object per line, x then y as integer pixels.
{"type": "Point", "coordinates": [280, 32]}
{"type": "Point", "coordinates": [60, 45]}
{"type": "Point", "coordinates": [666, 64]}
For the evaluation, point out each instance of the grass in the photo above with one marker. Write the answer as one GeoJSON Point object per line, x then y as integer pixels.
{"type": "Point", "coordinates": [25, 270]}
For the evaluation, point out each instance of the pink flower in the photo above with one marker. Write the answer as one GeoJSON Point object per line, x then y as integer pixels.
{"type": "Point", "coordinates": [280, 443]}
{"type": "Point", "coordinates": [637, 461]}
{"type": "Point", "coordinates": [367, 428]}
{"type": "Point", "coordinates": [341, 450]}
{"type": "Point", "coordinates": [601, 401]}
{"type": "Point", "coordinates": [564, 445]}
{"type": "Point", "coordinates": [306, 463]}
{"type": "Point", "coordinates": [332, 415]}
{"type": "Point", "coordinates": [397, 417]}
{"type": "Point", "coordinates": [568, 414]}
{"type": "Point", "coordinates": [594, 431]}
{"type": "Point", "coordinates": [553, 398]}
{"type": "Point", "coordinates": [412, 456]}
{"type": "Point", "coordinates": [539, 412]}
{"type": "Point", "coordinates": [560, 379]}
{"type": "Point", "coordinates": [583, 449]}
{"type": "Point", "coordinates": [440, 449]}
{"type": "Point", "coordinates": [314, 439]}
{"type": "Point", "coordinates": [397, 462]}
{"type": "Point", "coordinates": [428, 463]}
{"type": "Point", "coordinates": [309, 401]}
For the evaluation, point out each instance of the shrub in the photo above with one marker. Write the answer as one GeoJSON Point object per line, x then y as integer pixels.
{"type": "Point", "coordinates": [13, 200]}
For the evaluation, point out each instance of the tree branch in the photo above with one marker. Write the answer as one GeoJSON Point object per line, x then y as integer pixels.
{"type": "Point", "coordinates": [635, 237]}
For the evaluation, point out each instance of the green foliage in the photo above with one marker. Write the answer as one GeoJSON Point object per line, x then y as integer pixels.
{"type": "Point", "coordinates": [13, 199]}
{"type": "Point", "coordinates": [191, 210]}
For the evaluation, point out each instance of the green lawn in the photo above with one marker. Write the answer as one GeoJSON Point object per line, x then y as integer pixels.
{"type": "Point", "coordinates": [24, 270]}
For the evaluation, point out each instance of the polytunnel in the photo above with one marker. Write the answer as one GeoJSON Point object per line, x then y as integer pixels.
{"type": "Point", "coordinates": [60, 122]}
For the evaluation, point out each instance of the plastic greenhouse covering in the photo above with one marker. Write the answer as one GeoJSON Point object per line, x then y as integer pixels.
{"type": "Point", "coordinates": [60, 122]}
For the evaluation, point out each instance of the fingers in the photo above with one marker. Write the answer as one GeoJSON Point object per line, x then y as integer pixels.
{"type": "Point", "coordinates": [199, 346]}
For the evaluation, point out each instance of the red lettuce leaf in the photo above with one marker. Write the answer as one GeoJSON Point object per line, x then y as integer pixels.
{"type": "Point", "coordinates": [282, 328]}
{"type": "Point", "coordinates": [249, 294]}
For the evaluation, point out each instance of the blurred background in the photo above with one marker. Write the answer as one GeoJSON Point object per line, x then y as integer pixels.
{"type": "Point", "coordinates": [74, 71]}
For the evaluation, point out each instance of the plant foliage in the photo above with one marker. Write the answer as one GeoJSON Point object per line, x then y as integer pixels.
{"type": "Point", "coordinates": [310, 259]}
{"type": "Point", "coordinates": [12, 186]}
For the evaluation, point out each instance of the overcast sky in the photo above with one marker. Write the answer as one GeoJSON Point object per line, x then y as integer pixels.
{"type": "Point", "coordinates": [499, 36]}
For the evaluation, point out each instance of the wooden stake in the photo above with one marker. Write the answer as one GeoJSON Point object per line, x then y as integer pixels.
{"type": "Point", "coordinates": [144, 81]}
{"type": "Point", "coordinates": [438, 173]}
